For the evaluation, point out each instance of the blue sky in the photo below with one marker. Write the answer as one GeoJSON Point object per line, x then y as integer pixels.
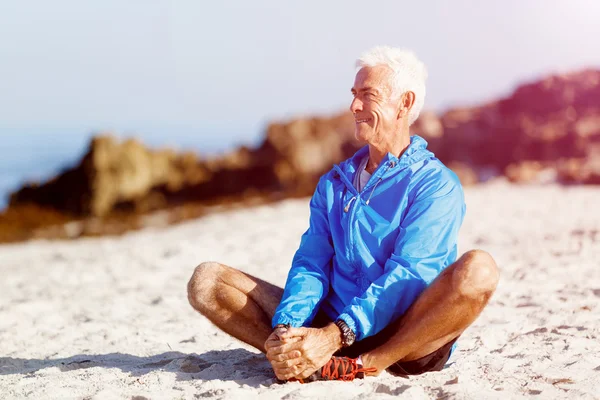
{"type": "Point", "coordinates": [209, 75]}
{"type": "Point", "coordinates": [228, 67]}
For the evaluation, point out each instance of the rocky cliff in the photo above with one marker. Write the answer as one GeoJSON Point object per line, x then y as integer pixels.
{"type": "Point", "coordinates": [546, 124]}
{"type": "Point", "coordinates": [546, 130]}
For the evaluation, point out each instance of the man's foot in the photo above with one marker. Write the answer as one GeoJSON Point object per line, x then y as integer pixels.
{"type": "Point", "coordinates": [337, 369]}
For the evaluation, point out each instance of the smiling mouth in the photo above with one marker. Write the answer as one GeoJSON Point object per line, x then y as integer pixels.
{"type": "Point", "coordinates": [359, 121]}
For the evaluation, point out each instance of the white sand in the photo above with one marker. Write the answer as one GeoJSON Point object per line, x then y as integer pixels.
{"type": "Point", "coordinates": [108, 318]}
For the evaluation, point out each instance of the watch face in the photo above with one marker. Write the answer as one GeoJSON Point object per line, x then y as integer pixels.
{"type": "Point", "coordinates": [348, 335]}
{"type": "Point", "coordinates": [349, 338]}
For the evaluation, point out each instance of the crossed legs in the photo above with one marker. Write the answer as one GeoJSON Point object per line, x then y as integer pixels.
{"type": "Point", "coordinates": [243, 306]}
{"type": "Point", "coordinates": [237, 303]}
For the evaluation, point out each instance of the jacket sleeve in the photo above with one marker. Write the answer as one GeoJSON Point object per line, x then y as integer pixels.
{"type": "Point", "coordinates": [426, 244]}
{"type": "Point", "coordinates": [308, 280]}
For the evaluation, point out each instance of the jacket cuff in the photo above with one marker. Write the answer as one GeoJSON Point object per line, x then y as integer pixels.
{"type": "Point", "coordinates": [285, 320]}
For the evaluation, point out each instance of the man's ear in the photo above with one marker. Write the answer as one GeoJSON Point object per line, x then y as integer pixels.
{"type": "Point", "coordinates": [406, 102]}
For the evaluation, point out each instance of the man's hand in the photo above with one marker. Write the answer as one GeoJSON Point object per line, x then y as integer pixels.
{"type": "Point", "coordinates": [298, 352]}
{"type": "Point", "coordinates": [273, 341]}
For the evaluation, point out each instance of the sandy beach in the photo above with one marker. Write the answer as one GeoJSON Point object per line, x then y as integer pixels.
{"type": "Point", "coordinates": [108, 317]}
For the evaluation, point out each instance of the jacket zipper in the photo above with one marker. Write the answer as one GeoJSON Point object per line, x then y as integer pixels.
{"type": "Point", "coordinates": [347, 207]}
{"type": "Point", "coordinates": [350, 253]}
{"type": "Point", "coordinates": [391, 164]}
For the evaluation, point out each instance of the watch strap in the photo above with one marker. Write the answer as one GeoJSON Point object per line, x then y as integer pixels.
{"type": "Point", "coordinates": [348, 336]}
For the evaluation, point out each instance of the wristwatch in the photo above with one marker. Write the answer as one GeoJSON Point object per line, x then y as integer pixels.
{"type": "Point", "coordinates": [348, 336]}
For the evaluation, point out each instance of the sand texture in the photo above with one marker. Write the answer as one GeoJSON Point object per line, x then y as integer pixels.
{"type": "Point", "coordinates": [108, 317]}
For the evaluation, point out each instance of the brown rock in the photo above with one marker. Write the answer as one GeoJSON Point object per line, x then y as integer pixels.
{"type": "Point", "coordinates": [302, 150]}
{"type": "Point", "coordinates": [428, 125]}
{"type": "Point", "coordinates": [524, 172]}
{"type": "Point", "coordinates": [579, 171]}
{"type": "Point", "coordinates": [115, 174]}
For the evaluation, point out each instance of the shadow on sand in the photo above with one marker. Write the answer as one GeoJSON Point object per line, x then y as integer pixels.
{"type": "Point", "coordinates": [231, 365]}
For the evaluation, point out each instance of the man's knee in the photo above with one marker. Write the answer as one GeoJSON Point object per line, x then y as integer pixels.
{"type": "Point", "coordinates": [476, 275]}
{"type": "Point", "coordinates": [202, 284]}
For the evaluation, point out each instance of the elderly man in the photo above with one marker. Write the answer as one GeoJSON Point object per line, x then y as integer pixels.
{"type": "Point", "coordinates": [375, 283]}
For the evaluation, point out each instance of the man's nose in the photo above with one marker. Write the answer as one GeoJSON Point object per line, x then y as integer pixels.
{"type": "Point", "coordinates": [356, 105]}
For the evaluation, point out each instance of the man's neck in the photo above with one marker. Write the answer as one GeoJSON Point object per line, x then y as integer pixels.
{"type": "Point", "coordinates": [377, 151]}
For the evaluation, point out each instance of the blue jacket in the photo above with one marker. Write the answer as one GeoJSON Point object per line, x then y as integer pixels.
{"type": "Point", "coordinates": [368, 255]}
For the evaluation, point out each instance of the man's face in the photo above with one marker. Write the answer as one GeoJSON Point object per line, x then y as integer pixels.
{"type": "Point", "coordinates": [375, 112]}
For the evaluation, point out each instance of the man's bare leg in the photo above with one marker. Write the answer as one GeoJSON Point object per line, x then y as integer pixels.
{"type": "Point", "coordinates": [445, 309]}
{"type": "Point", "coordinates": [237, 303]}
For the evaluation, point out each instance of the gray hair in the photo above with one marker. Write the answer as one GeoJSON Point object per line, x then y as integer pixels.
{"type": "Point", "coordinates": [409, 73]}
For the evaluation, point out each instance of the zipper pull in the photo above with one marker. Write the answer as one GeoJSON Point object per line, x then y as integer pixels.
{"type": "Point", "coordinates": [347, 208]}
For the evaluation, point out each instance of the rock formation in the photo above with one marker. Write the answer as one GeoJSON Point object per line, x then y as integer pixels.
{"type": "Point", "coordinates": [113, 174]}
{"type": "Point", "coordinates": [549, 127]}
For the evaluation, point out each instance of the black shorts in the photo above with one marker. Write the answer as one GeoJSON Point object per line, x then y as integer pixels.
{"type": "Point", "coordinates": [431, 362]}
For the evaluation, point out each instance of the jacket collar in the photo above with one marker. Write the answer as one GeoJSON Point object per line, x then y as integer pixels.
{"type": "Point", "coordinates": [416, 151]}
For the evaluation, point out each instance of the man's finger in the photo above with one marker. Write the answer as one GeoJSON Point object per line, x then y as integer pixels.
{"type": "Point", "coordinates": [293, 339]}
{"type": "Point", "coordinates": [287, 363]}
{"type": "Point", "coordinates": [273, 341]}
{"type": "Point", "coordinates": [292, 332]}
{"type": "Point", "coordinates": [305, 373]}
{"type": "Point", "coordinates": [278, 341]}
{"type": "Point", "coordinates": [283, 349]}
{"type": "Point", "coordinates": [279, 331]}
{"type": "Point", "coordinates": [286, 356]}
{"type": "Point", "coordinates": [270, 343]}
{"type": "Point", "coordinates": [291, 372]}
